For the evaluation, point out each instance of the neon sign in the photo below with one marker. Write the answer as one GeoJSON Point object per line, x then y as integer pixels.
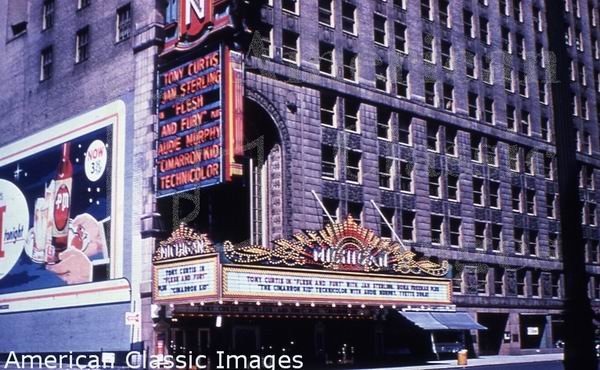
{"type": "Point", "coordinates": [345, 247]}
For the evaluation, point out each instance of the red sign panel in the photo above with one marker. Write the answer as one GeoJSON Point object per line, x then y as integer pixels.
{"type": "Point", "coordinates": [194, 16]}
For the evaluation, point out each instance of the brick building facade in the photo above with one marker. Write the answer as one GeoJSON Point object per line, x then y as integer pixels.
{"type": "Point", "coordinates": [438, 111]}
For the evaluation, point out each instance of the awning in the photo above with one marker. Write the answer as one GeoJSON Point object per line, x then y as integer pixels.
{"type": "Point", "coordinates": [443, 320]}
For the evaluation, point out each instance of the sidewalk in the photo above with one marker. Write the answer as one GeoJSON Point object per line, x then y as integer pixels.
{"type": "Point", "coordinates": [482, 361]}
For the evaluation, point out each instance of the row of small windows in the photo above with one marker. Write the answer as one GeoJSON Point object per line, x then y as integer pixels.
{"type": "Point", "coordinates": [479, 108]}
{"type": "Point", "coordinates": [82, 37]}
{"type": "Point", "coordinates": [446, 230]}
{"type": "Point", "coordinates": [529, 283]}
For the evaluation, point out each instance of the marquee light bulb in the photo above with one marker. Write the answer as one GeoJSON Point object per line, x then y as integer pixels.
{"type": "Point", "coordinates": [279, 304]}
{"type": "Point", "coordinates": [297, 304]}
{"type": "Point", "coordinates": [257, 303]}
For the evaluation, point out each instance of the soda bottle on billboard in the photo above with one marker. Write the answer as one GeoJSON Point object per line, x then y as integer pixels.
{"type": "Point", "coordinates": [62, 205]}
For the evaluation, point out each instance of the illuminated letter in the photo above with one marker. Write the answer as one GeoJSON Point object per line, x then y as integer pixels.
{"type": "Point", "coordinates": [197, 7]}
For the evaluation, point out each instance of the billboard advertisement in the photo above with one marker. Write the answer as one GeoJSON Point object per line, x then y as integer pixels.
{"type": "Point", "coordinates": [59, 193]}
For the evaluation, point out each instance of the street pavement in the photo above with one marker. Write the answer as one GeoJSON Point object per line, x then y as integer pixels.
{"type": "Point", "coordinates": [529, 362]}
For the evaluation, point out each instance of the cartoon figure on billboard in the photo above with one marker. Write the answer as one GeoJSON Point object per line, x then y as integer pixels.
{"type": "Point", "coordinates": [65, 213]}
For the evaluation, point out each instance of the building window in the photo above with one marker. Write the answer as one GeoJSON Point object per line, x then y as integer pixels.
{"type": "Point", "coordinates": [290, 46]}
{"type": "Point", "coordinates": [476, 148]}
{"type": "Point", "coordinates": [437, 225]}
{"type": "Point", "coordinates": [432, 137]}
{"type": "Point", "coordinates": [428, 42]}
{"type": "Point", "coordinates": [468, 24]}
{"type": "Point", "coordinates": [521, 282]}
{"type": "Point", "coordinates": [542, 91]}
{"type": "Point", "coordinates": [488, 113]}
{"type": "Point", "coordinates": [473, 106]}
{"type": "Point", "coordinates": [513, 158]}
{"type": "Point", "coordinates": [453, 187]}
{"type": "Point", "coordinates": [510, 117]}
{"type": "Point", "coordinates": [401, 38]}
{"type": "Point", "coordinates": [525, 122]}
{"type": "Point", "coordinates": [545, 129]}
{"type": "Point", "coordinates": [348, 18]}
{"type": "Point", "coordinates": [492, 152]}
{"type": "Point", "coordinates": [404, 136]}
{"type": "Point", "coordinates": [508, 79]}
{"type": "Point", "coordinates": [455, 232]}
{"type": "Point", "coordinates": [355, 210]}
{"type": "Point", "coordinates": [82, 45]}
{"type": "Point", "coordinates": [329, 162]}
{"type": "Point", "coordinates": [592, 214]}
{"type": "Point", "coordinates": [484, 30]}
{"type": "Point", "coordinates": [381, 76]}
{"type": "Point", "coordinates": [531, 202]}
{"type": "Point", "coordinates": [350, 65]}
{"type": "Point", "coordinates": [470, 64]}
{"type": "Point", "coordinates": [486, 70]}
{"type": "Point", "coordinates": [124, 22]}
{"type": "Point", "coordinates": [449, 97]}
{"type": "Point", "coordinates": [47, 14]}
{"type": "Point", "coordinates": [516, 198]}
{"type": "Point", "coordinates": [379, 24]}
{"type": "Point", "coordinates": [326, 12]}
{"type": "Point", "coordinates": [266, 34]}
{"type": "Point", "coordinates": [430, 95]}
{"type": "Point", "coordinates": [83, 4]}
{"type": "Point", "coordinates": [535, 283]}
{"type": "Point", "coordinates": [533, 243]}
{"type": "Point", "coordinates": [494, 194]}
{"type": "Point", "coordinates": [555, 280]}
{"type": "Point", "coordinates": [351, 111]}
{"type": "Point", "coordinates": [400, 4]}
{"type": "Point", "coordinates": [480, 231]}
{"type": "Point", "coordinates": [447, 55]}
{"type": "Point", "coordinates": [444, 12]}
{"type": "Point", "coordinates": [529, 162]}
{"type": "Point", "coordinates": [498, 281]}
{"type": "Point", "coordinates": [506, 41]}
{"type": "Point", "coordinates": [550, 205]}
{"type": "Point", "coordinates": [384, 229]}
{"type": "Point", "coordinates": [353, 173]}
{"type": "Point", "coordinates": [521, 47]}
{"type": "Point", "coordinates": [478, 191]}
{"type": "Point", "coordinates": [326, 58]}
{"type": "Point", "coordinates": [549, 166]}
{"type": "Point", "coordinates": [383, 123]}
{"type": "Point", "coordinates": [496, 237]}
{"type": "Point", "coordinates": [46, 64]}
{"type": "Point", "coordinates": [385, 172]}
{"type": "Point", "coordinates": [406, 176]}
{"type": "Point", "coordinates": [553, 245]}
{"type": "Point", "coordinates": [402, 82]}
{"type": "Point", "coordinates": [519, 242]}
{"type": "Point", "coordinates": [523, 90]}
{"type": "Point", "coordinates": [332, 206]}
{"type": "Point", "coordinates": [426, 11]}
{"type": "Point", "coordinates": [290, 6]}
{"type": "Point", "coordinates": [408, 225]}
{"type": "Point", "coordinates": [434, 183]}
{"type": "Point", "coordinates": [451, 138]}
{"type": "Point", "coordinates": [328, 109]}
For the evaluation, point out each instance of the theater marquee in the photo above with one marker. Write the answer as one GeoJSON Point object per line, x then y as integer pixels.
{"type": "Point", "coordinates": [342, 264]}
